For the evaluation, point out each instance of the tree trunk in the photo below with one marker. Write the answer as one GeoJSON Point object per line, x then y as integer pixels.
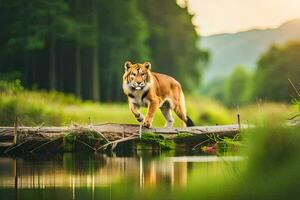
{"type": "Point", "coordinates": [78, 68]}
{"type": "Point", "coordinates": [52, 60]}
{"type": "Point", "coordinates": [95, 64]}
{"type": "Point", "coordinates": [78, 79]}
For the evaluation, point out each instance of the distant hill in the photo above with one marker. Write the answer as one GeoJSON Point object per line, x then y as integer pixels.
{"type": "Point", "coordinates": [229, 50]}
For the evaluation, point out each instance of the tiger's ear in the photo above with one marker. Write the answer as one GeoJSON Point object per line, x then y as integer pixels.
{"type": "Point", "coordinates": [147, 65]}
{"type": "Point", "coordinates": [127, 65]}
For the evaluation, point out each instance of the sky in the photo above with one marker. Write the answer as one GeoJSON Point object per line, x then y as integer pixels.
{"type": "Point", "coordinates": [229, 16]}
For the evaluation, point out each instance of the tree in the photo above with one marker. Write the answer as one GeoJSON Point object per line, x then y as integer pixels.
{"type": "Point", "coordinates": [95, 64]}
{"type": "Point", "coordinates": [274, 68]}
{"type": "Point", "coordinates": [60, 25]}
{"type": "Point", "coordinates": [215, 89]}
{"type": "Point", "coordinates": [85, 15]}
{"type": "Point", "coordinates": [237, 87]}
{"type": "Point", "coordinates": [123, 37]}
{"type": "Point", "coordinates": [78, 80]}
{"type": "Point", "coordinates": [45, 21]}
{"type": "Point", "coordinates": [173, 42]}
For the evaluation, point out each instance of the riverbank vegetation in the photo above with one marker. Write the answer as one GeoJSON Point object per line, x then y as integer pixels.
{"type": "Point", "coordinates": [269, 169]}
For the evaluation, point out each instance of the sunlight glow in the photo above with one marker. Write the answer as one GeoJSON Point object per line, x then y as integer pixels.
{"type": "Point", "coordinates": [223, 16]}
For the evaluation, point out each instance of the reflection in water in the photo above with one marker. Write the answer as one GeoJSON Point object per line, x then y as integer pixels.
{"type": "Point", "coordinates": [100, 171]}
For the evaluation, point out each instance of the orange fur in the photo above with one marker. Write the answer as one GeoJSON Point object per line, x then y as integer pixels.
{"type": "Point", "coordinates": [152, 90]}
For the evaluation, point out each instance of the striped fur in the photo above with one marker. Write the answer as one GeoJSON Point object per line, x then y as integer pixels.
{"type": "Point", "coordinates": [153, 90]}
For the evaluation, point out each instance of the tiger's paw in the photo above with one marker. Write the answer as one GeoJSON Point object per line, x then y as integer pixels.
{"type": "Point", "coordinates": [147, 124]}
{"type": "Point", "coordinates": [140, 118]}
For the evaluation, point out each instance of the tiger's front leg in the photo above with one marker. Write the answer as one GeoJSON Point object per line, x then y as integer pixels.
{"type": "Point", "coordinates": [135, 110]}
{"type": "Point", "coordinates": [153, 106]}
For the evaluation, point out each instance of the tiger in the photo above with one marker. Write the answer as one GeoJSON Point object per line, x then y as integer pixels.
{"type": "Point", "coordinates": [153, 90]}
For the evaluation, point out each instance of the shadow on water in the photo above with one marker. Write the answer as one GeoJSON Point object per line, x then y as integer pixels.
{"type": "Point", "coordinates": [101, 176]}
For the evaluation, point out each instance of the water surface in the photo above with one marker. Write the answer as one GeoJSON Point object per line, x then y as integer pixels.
{"type": "Point", "coordinates": [89, 176]}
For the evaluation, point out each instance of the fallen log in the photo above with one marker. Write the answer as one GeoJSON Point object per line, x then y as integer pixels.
{"type": "Point", "coordinates": [111, 130]}
{"type": "Point", "coordinates": [112, 133]}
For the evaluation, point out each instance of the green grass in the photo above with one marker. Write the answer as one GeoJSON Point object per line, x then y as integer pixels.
{"type": "Point", "coordinates": [259, 112]}
{"type": "Point", "coordinates": [159, 140]}
{"type": "Point", "coordinates": [54, 108]}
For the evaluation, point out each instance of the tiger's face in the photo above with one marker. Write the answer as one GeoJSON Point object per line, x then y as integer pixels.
{"type": "Point", "coordinates": [137, 75]}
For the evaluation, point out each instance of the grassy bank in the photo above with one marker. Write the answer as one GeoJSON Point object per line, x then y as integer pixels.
{"type": "Point", "coordinates": [54, 108]}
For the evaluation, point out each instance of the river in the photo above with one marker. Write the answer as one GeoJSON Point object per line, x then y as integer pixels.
{"type": "Point", "coordinates": [88, 176]}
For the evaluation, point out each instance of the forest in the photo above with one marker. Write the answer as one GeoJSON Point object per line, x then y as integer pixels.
{"type": "Point", "coordinates": [80, 47]}
{"type": "Point", "coordinates": [275, 79]}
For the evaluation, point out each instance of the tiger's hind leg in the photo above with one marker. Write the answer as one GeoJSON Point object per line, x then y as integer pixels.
{"type": "Point", "coordinates": [166, 111]}
{"type": "Point", "coordinates": [180, 111]}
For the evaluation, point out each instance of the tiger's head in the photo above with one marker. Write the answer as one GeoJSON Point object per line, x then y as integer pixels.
{"type": "Point", "coordinates": [137, 76]}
